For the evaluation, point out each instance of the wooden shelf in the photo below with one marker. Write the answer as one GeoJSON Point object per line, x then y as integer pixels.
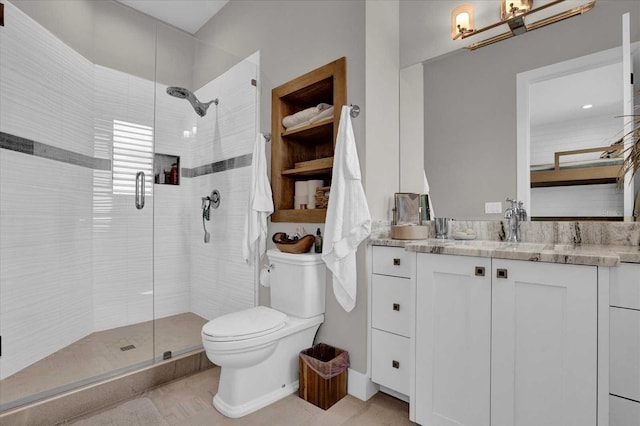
{"type": "Point", "coordinates": [313, 131]}
{"type": "Point", "coordinates": [311, 147]}
{"type": "Point", "coordinates": [322, 166]}
{"type": "Point", "coordinates": [306, 216]}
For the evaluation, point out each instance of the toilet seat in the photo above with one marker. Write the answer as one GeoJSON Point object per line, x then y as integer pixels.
{"type": "Point", "coordinates": [243, 325]}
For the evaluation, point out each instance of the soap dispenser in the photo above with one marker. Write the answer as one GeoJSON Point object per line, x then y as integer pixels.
{"type": "Point", "coordinates": [318, 242]}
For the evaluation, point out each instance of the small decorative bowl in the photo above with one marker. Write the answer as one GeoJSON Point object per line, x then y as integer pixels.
{"type": "Point", "coordinates": [301, 245]}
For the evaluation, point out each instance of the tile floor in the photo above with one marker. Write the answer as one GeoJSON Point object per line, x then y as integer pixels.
{"type": "Point", "coordinates": [98, 356]}
{"type": "Point", "coordinates": [187, 402]}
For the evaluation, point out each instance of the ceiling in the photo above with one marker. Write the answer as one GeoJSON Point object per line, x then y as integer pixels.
{"type": "Point", "coordinates": [561, 99]}
{"type": "Point", "coordinates": [188, 15]}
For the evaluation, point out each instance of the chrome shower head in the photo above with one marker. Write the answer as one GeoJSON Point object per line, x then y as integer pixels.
{"type": "Point", "coordinates": [182, 93]}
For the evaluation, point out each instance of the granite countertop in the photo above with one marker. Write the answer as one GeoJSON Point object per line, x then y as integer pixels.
{"type": "Point", "coordinates": [577, 254]}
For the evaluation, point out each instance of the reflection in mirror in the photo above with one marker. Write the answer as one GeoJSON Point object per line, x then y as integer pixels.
{"type": "Point", "coordinates": [569, 117]}
{"type": "Point", "coordinates": [575, 117]}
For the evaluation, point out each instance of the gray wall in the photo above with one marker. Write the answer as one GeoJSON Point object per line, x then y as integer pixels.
{"type": "Point", "coordinates": [470, 106]}
{"type": "Point", "coordinates": [294, 38]}
{"type": "Point", "coordinates": [118, 37]}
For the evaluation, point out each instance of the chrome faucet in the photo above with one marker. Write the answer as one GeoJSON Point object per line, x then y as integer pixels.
{"type": "Point", "coordinates": [515, 214]}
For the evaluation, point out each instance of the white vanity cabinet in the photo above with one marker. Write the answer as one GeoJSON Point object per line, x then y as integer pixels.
{"type": "Point", "coordinates": [453, 340]}
{"type": "Point", "coordinates": [544, 343]}
{"type": "Point", "coordinates": [624, 384]}
{"type": "Point", "coordinates": [516, 346]}
{"type": "Point", "coordinates": [392, 302]}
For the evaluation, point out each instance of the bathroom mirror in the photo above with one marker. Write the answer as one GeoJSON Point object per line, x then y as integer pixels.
{"type": "Point", "coordinates": [568, 116]}
{"type": "Point", "coordinates": [470, 108]}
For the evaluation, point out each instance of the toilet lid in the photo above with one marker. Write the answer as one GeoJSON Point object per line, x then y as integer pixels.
{"type": "Point", "coordinates": [245, 324]}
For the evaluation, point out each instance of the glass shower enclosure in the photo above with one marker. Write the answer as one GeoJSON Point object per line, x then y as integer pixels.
{"type": "Point", "coordinates": [104, 268]}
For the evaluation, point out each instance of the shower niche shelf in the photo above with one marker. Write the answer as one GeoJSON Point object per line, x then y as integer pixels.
{"type": "Point", "coordinates": [162, 169]}
{"type": "Point", "coordinates": [307, 152]}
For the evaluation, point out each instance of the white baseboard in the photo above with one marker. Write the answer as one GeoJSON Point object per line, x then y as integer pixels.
{"type": "Point", "coordinates": [360, 385]}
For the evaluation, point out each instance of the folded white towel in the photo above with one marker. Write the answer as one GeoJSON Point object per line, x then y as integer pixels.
{"type": "Point", "coordinates": [303, 116]}
{"type": "Point", "coordinates": [348, 220]}
{"type": "Point", "coordinates": [260, 205]}
{"type": "Point", "coordinates": [324, 114]}
{"type": "Point", "coordinates": [299, 117]}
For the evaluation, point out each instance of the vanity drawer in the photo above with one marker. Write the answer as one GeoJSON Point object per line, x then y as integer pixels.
{"type": "Point", "coordinates": [623, 412]}
{"type": "Point", "coordinates": [625, 287]}
{"type": "Point", "coordinates": [390, 304]}
{"type": "Point", "coordinates": [390, 361]}
{"type": "Point", "coordinates": [394, 261]}
{"type": "Point", "coordinates": [625, 353]}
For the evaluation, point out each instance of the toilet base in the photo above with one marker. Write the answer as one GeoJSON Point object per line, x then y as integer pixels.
{"type": "Point", "coordinates": [235, 411]}
{"type": "Point", "coordinates": [245, 389]}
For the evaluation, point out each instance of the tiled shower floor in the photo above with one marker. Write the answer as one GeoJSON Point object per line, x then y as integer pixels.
{"type": "Point", "coordinates": [99, 356]}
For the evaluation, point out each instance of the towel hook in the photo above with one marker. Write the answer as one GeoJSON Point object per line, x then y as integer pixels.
{"type": "Point", "coordinates": [267, 137]}
{"type": "Point", "coordinates": [355, 110]}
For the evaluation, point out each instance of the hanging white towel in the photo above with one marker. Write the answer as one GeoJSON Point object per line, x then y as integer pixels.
{"type": "Point", "coordinates": [260, 204]}
{"type": "Point", "coordinates": [348, 220]}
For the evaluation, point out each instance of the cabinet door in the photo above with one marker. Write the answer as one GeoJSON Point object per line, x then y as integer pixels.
{"type": "Point", "coordinates": [453, 332]}
{"type": "Point", "coordinates": [544, 344]}
{"type": "Point", "coordinates": [624, 349]}
{"type": "Point", "coordinates": [624, 412]}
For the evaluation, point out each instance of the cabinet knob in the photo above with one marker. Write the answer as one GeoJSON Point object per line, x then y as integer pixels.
{"type": "Point", "coordinates": [501, 273]}
{"type": "Point", "coordinates": [395, 364]}
{"type": "Point", "coordinates": [396, 262]}
{"type": "Point", "coordinates": [479, 271]}
{"type": "Point", "coordinates": [396, 307]}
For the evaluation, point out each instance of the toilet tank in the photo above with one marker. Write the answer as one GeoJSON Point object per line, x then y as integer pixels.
{"type": "Point", "coordinates": [297, 283]}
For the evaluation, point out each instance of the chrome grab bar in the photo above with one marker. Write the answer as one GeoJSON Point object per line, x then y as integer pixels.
{"type": "Point", "coordinates": [140, 190]}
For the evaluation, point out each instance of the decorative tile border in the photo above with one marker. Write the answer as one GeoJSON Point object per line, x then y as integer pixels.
{"type": "Point", "coordinates": [39, 149]}
{"type": "Point", "coordinates": [218, 166]}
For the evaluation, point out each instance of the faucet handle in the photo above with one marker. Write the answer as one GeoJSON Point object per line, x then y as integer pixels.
{"type": "Point", "coordinates": [522, 212]}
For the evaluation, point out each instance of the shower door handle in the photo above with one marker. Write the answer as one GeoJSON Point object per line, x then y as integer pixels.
{"type": "Point", "coordinates": [139, 190]}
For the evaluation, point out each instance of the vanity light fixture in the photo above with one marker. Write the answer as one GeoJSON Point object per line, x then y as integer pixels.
{"type": "Point", "coordinates": [511, 9]}
{"type": "Point", "coordinates": [461, 20]}
{"type": "Point", "coordinates": [516, 17]}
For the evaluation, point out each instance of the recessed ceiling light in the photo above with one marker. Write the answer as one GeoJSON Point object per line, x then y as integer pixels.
{"type": "Point", "coordinates": [587, 106]}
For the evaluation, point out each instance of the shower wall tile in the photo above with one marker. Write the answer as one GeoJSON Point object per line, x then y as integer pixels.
{"type": "Point", "coordinates": [45, 257]}
{"type": "Point", "coordinates": [123, 264]}
{"type": "Point", "coordinates": [170, 245]}
{"type": "Point", "coordinates": [174, 117]}
{"type": "Point", "coordinates": [228, 129]}
{"type": "Point", "coordinates": [46, 87]}
{"type": "Point", "coordinates": [44, 302]}
{"type": "Point", "coordinates": [217, 268]}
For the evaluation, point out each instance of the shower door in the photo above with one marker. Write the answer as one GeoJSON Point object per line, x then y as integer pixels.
{"type": "Point", "coordinates": [76, 230]}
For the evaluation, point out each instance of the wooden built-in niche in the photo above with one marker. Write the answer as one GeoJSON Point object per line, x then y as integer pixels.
{"type": "Point", "coordinates": [307, 152]}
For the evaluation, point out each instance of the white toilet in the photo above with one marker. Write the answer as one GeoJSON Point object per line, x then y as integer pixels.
{"type": "Point", "coordinates": [257, 349]}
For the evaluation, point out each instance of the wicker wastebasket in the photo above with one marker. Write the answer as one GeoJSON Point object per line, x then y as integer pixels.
{"type": "Point", "coordinates": [323, 375]}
